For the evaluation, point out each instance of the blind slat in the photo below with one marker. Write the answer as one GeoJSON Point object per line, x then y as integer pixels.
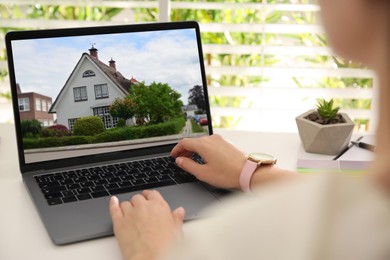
{"type": "Point", "coordinates": [284, 72]}
{"type": "Point", "coordinates": [258, 49]}
{"type": "Point", "coordinates": [298, 93]}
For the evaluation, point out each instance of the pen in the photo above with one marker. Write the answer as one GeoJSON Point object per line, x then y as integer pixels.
{"type": "Point", "coordinates": [363, 145]}
{"type": "Point", "coordinates": [346, 148]}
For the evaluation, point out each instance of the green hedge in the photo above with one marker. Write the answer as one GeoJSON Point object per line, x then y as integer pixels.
{"type": "Point", "coordinates": [117, 134]}
{"type": "Point", "coordinates": [196, 128]}
{"type": "Point", "coordinates": [55, 141]}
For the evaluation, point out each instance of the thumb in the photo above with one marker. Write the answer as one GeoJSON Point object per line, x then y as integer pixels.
{"type": "Point", "coordinates": [178, 216]}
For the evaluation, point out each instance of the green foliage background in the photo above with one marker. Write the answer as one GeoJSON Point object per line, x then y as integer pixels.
{"type": "Point", "coordinates": [251, 16]}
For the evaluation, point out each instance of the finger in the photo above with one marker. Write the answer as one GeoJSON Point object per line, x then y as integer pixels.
{"type": "Point", "coordinates": [125, 207]}
{"type": "Point", "coordinates": [186, 146]}
{"type": "Point", "coordinates": [191, 166]}
{"type": "Point", "coordinates": [115, 210]}
{"type": "Point", "coordinates": [153, 195]}
{"type": "Point", "coordinates": [137, 200]}
{"type": "Point", "coordinates": [178, 216]}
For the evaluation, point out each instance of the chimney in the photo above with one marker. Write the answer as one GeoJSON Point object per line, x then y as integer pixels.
{"type": "Point", "coordinates": [18, 90]}
{"type": "Point", "coordinates": [112, 64]}
{"type": "Point", "coordinates": [94, 52]}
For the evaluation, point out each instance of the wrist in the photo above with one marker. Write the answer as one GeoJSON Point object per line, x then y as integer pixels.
{"type": "Point", "coordinates": [263, 175]}
{"type": "Point", "coordinates": [253, 163]}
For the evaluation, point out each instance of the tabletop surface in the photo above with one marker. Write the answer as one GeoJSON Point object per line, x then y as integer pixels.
{"type": "Point", "coordinates": [23, 236]}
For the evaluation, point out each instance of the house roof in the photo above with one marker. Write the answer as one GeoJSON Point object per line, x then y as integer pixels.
{"type": "Point", "coordinates": [115, 76]}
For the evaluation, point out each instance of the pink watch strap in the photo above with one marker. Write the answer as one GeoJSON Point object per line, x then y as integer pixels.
{"type": "Point", "coordinates": [246, 175]}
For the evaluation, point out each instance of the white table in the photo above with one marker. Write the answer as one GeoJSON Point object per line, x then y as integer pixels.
{"type": "Point", "coordinates": [22, 234]}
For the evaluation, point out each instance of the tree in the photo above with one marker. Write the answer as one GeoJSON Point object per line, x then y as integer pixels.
{"type": "Point", "coordinates": [122, 108]}
{"type": "Point", "coordinates": [155, 103]}
{"type": "Point", "coordinates": [196, 97]}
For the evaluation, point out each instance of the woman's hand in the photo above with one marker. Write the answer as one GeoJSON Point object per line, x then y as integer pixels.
{"type": "Point", "coordinates": [223, 161]}
{"type": "Point", "coordinates": [145, 226]}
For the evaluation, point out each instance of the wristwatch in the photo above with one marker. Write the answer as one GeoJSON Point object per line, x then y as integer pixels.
{"type": "Point", "coordinates": [254, 160]}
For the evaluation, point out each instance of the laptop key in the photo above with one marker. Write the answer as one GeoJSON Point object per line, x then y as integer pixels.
{"type": "Point", "coordinates": [151, 180]}
{"type": "Point", "coordinates": [53, 190]}
{"type": "Point", "coordinates": [53, 195]}
{"type": "Point", "coordinates": [127, 178]}
{"type": "Point", "coordinates": [49, 184]}
{"type": "Point", "coordinates": [93, 177]}
{"type": "Point", "coordinates": [73, 186]}
{"type": "Point", "coordinates": [83, 190]}
{"type": "Point", "coordinates": [138, 182]}
{"type": "Point", "coordinates": [58, 177]}
{"type": "Point", "coordinates": [97, 188]}
{"type": "Point", "coordinates": [124, 184]}
{"type": "Point", "coordinates": [80, 179]}
{"type": "Point", "coordinates": [113, 180]}
{"type": "Point", "coordinates": [55, 201]}
{"type": "Point", "coordinates": [111, 186]}
{"type": "Point", "coordinates": [99, 194]}
{"type": "Point", "coordinates": [86, 184]}
{"type": "Point", "coordinates": [100, 182]}
{"type": "Point", "coordinates": [69, 199]}
{"type": "Point", "coordinates": [66, 182]}
{"type": "Point", "coordinates": [67, 193]}
{"type": "Point", "coordinates": [139, 176]}
{"type": "Point", "coordinates": [84, 197]}
{"type": "Point", "coordinates": [163, 177]}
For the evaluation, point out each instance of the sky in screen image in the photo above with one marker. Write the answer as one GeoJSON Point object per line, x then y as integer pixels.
{"type": "Point", "coordinates": [44, 65]}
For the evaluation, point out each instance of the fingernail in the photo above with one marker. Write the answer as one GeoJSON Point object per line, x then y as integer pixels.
{"type": "Point", "coordinates": [114, 199]}
{"type": "Point", "coordinates": [179, 160]}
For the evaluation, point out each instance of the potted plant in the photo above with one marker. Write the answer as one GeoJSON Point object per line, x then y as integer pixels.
{"type": "Point", "coordinates": [325, 130]}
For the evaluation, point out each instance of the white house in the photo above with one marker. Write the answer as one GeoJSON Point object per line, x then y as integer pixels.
{"type": "Point", "coordinates": [190, 110]}
{"type": "Point", "coordinates": [90, 89]}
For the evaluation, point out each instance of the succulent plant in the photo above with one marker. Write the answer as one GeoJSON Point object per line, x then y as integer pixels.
{"type": "Point", "coordinates": [326, 110]}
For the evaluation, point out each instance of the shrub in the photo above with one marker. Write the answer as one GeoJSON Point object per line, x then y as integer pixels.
{"type": "Point", "coordinates": [55, 131]}
{"type": "Point", "coordinates": [90, 125]}
{"type": "Point", "coordinates": [121, 122]}
{"type": "Point", "coordinates": [31, 128]}
{"type": "Point", "coordinates": [55, 141]}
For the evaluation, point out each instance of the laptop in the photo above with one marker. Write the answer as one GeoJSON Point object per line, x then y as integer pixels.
{"type": "Point", "coordinates": [97, 112]}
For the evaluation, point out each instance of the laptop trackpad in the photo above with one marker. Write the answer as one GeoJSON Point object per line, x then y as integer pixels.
{"type": "Point", "coordinates": [193, 197]}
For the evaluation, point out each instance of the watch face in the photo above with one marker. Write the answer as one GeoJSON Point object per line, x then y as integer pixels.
{"type": "Point", "coordinates": [261, 157]}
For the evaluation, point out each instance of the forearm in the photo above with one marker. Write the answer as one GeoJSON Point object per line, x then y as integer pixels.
{"type": "Point", "coordinates": [271, 173]}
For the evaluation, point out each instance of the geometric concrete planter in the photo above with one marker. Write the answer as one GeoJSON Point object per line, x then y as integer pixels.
{"type": "Point", "coordinates": [324, 139]}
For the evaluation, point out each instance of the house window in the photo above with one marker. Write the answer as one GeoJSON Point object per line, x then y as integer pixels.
{"type": "Point", "coordinates": [80, 93]}
{"type": "Point", "coordinates": [48, 105]}
{"type": "Point", "coordinates": [71, 122]}
{"type": "Point", "coordinates": [24, 104]}
{"type": "Point", "coordinates": [104, 114]}
{"type": "Point", "coordinates": [38, 104]}
{"type": "Point", "coordinates": [88, 73]}
{"type": "Point", "coordinates": [101, 91]}
{"type": "Point", "coordinates": [44, 105]}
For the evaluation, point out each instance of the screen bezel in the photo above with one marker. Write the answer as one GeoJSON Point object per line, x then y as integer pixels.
{"type": "Point", "coordinates": [89, 159]}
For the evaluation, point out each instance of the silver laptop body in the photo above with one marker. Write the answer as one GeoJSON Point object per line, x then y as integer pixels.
{"type": "Point", "coordinates": [61, 76]}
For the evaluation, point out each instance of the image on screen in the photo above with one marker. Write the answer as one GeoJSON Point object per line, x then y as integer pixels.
{"type": "Point", "coordinates": [93, 94]}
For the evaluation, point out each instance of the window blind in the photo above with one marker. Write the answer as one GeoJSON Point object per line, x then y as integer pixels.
{"type": "Point", "coordinates": [266, 61]}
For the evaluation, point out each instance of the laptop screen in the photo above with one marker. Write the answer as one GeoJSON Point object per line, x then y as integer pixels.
{"type": "Point", "coordinates": [80, 93]}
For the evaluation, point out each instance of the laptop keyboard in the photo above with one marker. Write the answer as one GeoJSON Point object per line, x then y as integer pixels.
{"type": "Point", "coordinates": [94, 182]}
